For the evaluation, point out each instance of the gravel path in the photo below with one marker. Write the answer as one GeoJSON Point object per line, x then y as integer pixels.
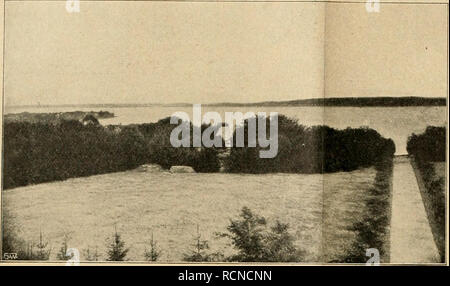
{"type": "Point", "coordinates": [411, 237]}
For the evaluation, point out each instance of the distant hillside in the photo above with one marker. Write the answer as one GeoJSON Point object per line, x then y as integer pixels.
{"type": "Point", "coordinates": [350, 101]}
{"type": "Point", "coordinates": [343, 101]}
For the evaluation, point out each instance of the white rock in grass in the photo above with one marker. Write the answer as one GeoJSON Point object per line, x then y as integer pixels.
{"type": "Point", "coordinates": [181, 169]}
{"type": "Point", "coordinates": [150, 168]}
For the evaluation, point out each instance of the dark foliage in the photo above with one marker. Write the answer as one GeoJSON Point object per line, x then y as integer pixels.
{"type": "Point", "coordinates": [256, 242]}
{"type": "Point", "coordinates": [351, 101]}
{"type": "Point", "coordinates": [201, 159]}
{"type": "Point", "coordinates": [90, 119]}
{"type": "Point", "coordinates": [154, 253]}
{"type": "Point", "coordinates": [57, 117]}
{"type": "Point", "coordinates": [43, 152]}
{"type": "Point", "coordinates": [116, 250]}
{"type": "Point", "coordinates": [316, 149]}
{"type": "Point", "coordinates": [429, 146]}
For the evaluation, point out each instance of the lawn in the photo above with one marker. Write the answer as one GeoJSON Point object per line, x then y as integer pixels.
{"type": "Point", "coordinates": [172, 206]}
{"type": "Point", "coordinates": [343, 205]}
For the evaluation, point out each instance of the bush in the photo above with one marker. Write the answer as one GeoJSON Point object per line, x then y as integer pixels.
{"type": "Point", "coordinates": [41, 251]}
{"type": "Point", "coordinates": [133, 149]}
{"type": "Point", "coordinates": [62, 254]}
{"type": "Point", "coordinates": [91, 255]}
{"type": "Point", "coordinates": [162, 152]}
{"type": "Point", "coordinates": [318, 149]}
{"type": "Point", "coordinates": [200, 251]}
{"type": "Point", "coordinates": [153, 254]}
{"type": "Point", "coordinates": [206, 161]}
{"type": "Point", "coordinates": [429, 146]}
{"type": "Point", "coordinates": [116, 250]}
{"type": "Point", "coordinates": [255, 242]}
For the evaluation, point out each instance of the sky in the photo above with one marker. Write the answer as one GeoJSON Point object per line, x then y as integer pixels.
{"type": "Point", "coordinates": [154, 52]}
{"type": "Point", "coordinates": [400, 51]}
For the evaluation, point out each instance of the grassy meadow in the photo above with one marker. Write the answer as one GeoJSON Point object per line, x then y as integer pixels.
{"type": "Point", "coordinates": [429, 152]}
{"type": "Point", "coordinates": [343, 205]}
{"type": "Point", "coordinates": [172, 206]}
{"type": "Point", "coordinates": [322, 183]}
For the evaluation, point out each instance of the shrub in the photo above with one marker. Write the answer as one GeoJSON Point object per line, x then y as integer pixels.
{"type": "Point", "coordinates": [255, 242]}
{"type": "Point", "coordinates": [91, 255]}
{"type": "Point", "coordinates": [162, 152]}
{"type": "Point", "coordinates": [200, 251]}
{"type": "Point", "coordinates": [152, 254]}
{"type": "Point", "coordinates": [62, 254]}
{"type": "Point", "coordinates": [43, 250]}
{"type": "Point", "coordinates": [116, 250]}
{"type": "Point", "coordinates": [90, 119]}
{"type": "Point", "coordinates": [280, 245]}
{"type": "Point", "coordinates": [429, 146]}
{"type": "Point", "coordinates": [206, 161]}
{"type": "Point", "coordinates": [133, 149]}
{"type": "Point", "coordinates": [315, 149]}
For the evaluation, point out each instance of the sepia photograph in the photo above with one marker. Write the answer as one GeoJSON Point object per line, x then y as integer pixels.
{"type": "Point", "coordinates": [235, 132]}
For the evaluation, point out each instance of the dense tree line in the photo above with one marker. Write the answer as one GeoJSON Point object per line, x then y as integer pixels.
{"type": "Point", "coordinates": [164, 154]}
{"type": "Point", "coordinates": [428, 146]}
{"type": "Point", "coordinates": [349, 101]}
{"type": "Point", "coordinates": [56, 116]}
{"type": "Point", "coordinates": [43, 152]}
{"type": "Point", "coordinates": [318, 149]}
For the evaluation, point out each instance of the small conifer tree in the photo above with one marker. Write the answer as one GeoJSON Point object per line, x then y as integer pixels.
{"type": "Point", "coordinates": [43, 251]}
{"type": "Point", "coordinates": [116, 250]}
{"type": "Point", "coordinates": [152, 254]}
{"type": "Point", "coordinates": [62, 254]}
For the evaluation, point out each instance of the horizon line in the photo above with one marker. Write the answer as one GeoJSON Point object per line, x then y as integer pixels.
{"type": "Point", "coordinates": [219, 103]}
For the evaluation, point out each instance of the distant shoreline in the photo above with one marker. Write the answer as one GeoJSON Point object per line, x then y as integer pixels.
{"type": "Point", "coordinates": [312, 102]}
{"type": "Point", "coordinates": [56, 117]}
